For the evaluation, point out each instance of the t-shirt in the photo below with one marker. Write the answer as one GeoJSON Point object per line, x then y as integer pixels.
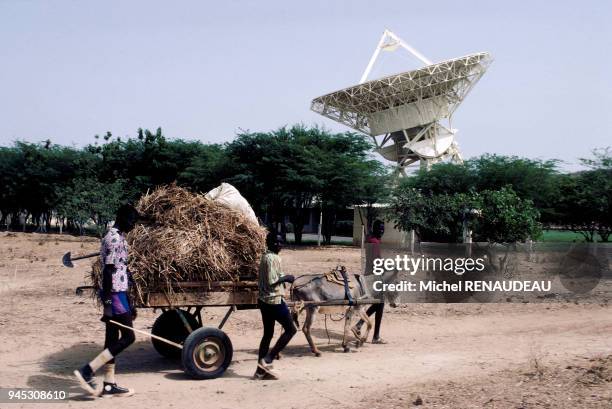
{"type": "Point", "coordinates": [269, 273]}
{"type": "Point", "coordinates": [372, 252]}
{"type": "Point", "coordinates": [114, 251]}
{"type": "Point", "coordinates": [375, 245]}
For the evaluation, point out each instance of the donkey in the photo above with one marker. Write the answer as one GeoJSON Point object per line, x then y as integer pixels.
{"type": "Point", "coordinates": [317, 288]}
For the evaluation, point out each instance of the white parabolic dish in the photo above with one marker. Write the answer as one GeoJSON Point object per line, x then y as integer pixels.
{"type": "Point", "coordinates": [407, 100]}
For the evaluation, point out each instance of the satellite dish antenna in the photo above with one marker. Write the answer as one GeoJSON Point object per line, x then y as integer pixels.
{"type": "Point", "coordinates": [411, 110]}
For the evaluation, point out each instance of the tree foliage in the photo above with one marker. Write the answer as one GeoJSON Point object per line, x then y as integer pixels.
{"type": "Point", "coordinates": [290, 170]}
{"type": "Point", "coordinates": [434, 217]}
{"type": "Point", "coordinates": [503, 216]}
{"type": "Point", "coordinates": [532, 179]}
{"type": "Point", "coordinates": [578, 201]}
{"type": "Point", "coordinates": [286, 173]}
{"type": "Point", "coordinates": [90, 199]}
{"type": "Point", "coordinates": [585, 201]}
{"type": "Point", "coordinates": [282, 173]}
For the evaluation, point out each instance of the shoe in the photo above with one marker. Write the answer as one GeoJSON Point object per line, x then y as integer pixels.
{"type": "Point", "coordinates": [263, 376]}
{"type": "Point", "coordinates": [378, 341]}
{"type": "Point", "coordinates": [269, 365]}
{"type": "Point", "coordinates": [86, 378]}
{"type": "Point", "coordinates": [111, 389]}
{"type": "Point", "coordinates": [268, 369]}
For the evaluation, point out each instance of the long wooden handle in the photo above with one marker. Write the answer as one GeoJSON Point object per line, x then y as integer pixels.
{"type": "Point", "coordinates": [174, 344]}
{"type": "Point", "coordinates": [86, 256]}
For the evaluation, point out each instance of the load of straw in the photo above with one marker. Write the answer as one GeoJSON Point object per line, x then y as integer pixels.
{"type": "Point", "coordinates": [190, 238]}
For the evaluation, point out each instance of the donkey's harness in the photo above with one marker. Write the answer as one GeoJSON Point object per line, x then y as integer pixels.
{"type": "Point", "coordinates": [339, 276]}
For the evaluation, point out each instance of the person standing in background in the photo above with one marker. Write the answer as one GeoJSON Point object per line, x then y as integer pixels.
{"type": "Point", "coordinates": [373, 252]}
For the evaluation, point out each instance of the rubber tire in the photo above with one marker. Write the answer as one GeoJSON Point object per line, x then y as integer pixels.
{"type": "Point", "coordinates": [194, 340]}
{"type": "Point", "coordinates": [170, 326]}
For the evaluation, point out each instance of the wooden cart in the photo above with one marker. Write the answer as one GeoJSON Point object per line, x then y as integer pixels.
{"type": "Point", "coordinates": [206, 351]}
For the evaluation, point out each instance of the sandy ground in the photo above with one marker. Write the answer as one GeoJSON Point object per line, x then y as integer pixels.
{"type": "Point", "coordinates": [438, 355]}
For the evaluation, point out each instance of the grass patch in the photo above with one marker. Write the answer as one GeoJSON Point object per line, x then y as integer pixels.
{"type": "Point", "coordinates": [561, 235]}
{"type": "Point", "coordinates": [565, 236]}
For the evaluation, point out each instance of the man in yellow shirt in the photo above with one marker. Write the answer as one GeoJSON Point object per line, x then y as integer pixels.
{"type": "Point", "coordinates": [273, 308]}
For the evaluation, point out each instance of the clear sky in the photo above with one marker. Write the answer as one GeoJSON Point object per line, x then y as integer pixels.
{"type": "Point", "coordinates": [206, 69]}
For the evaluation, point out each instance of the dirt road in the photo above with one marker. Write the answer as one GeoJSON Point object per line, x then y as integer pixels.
{"type": "Point", "coordinates": [46, 332]}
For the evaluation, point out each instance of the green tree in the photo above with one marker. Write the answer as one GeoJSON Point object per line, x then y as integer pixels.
{"type": "Point", "coordinates": [444, 178]}
{"type": "Point", "coordinates": [149, 160]}
{"type": "Point", "coordinates": [584, 205]}
{"type": "Point", "coordinates": [505, 217]}
{"type": "Point", "coordinates": [32, 174]}
{"type": "Point", "coordinates": [375, 190]}
{"type": "Point", "coordinates": [345, 170]}
{"type": "Point", "coordinates": [89, 199]}
{"type": "Point", "coordinates": [536, 180]}
{"type": "Point", "coordinates": [9, 200]}
{"type": "Point", "coordinates": [435, 217]}
{"type": "Point", "coordinates": [532, 179]}
{"type": "Point", "coordinates": [206, 168]}
{"type": "Point", "coordinates": [288, 171]}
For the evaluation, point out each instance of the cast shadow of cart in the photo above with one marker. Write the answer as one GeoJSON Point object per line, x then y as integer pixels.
{"type": "Point", "coordinates": [57, 367]}
{"type": "Point", "coordinates": [182, 376]}
{"type": "Point", "coordinates": [298, 346]}
{"type": "Point", "coordinates": [49, 382]}
{"type": "Point", "coordinates": [140, 357]}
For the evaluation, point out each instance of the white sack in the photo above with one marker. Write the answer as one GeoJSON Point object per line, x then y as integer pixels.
{"type": "Point", "coordinates": [230, 196]}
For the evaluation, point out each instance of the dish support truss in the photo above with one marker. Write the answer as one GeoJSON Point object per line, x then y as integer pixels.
{"type": "Point", "coordinates": [402, 147]}
{"type": "Point", "coordinates": [412, 103]}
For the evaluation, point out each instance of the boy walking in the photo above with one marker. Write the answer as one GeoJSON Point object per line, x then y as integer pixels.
{"type": "Point", "coordinates": [115, 296]}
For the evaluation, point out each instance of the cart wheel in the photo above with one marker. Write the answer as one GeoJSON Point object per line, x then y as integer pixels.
{"type": "Point", "coordinates": [169, 325]}
{"type": "Point", "coordinates": [207, 353]}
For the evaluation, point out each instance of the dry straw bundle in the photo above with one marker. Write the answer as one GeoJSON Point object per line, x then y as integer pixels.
{"type": "Point", "coordinates": [190, 238]}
